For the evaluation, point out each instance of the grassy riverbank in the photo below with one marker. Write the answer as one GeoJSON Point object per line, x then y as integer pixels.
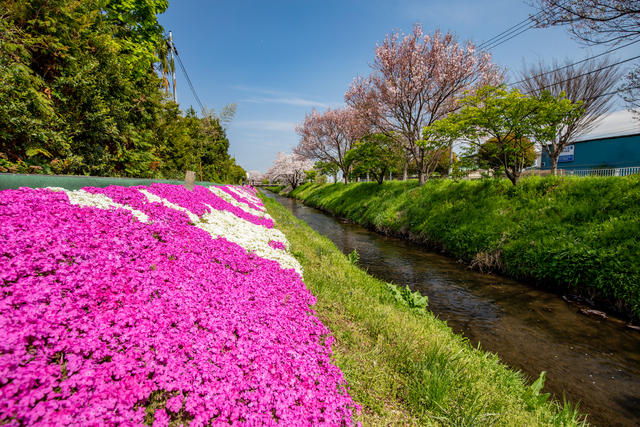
{"type": "Point", "coordinates": [405, 367]}
{"type": "Point", "coordinates": [580, 233]}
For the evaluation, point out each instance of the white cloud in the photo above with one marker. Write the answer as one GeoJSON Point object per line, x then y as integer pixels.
{"type": "Point", "coordinates": [267, 125]}
{"type": "Point", "coordinates": [279, 97]}
{"type": "Point", "coordinates": [290, 101]}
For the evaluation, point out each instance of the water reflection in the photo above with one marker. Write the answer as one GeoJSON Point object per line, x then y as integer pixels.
{"type": "Point", "coordinates": [594, 361]}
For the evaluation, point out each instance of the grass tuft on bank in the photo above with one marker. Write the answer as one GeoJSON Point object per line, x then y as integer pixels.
{"type": "Point", "coordinates": [562, 232]}
{"type": "Point", "coordinates": [404, 366]}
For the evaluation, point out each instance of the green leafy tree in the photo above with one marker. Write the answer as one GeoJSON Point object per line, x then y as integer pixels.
{"type": "Point", "coordinates": [515, 121]}
{"type": "Point", "coordinates": [73, 83]}
{"type": "Point", "coordinates": [327, 169]}
{"type": "Point", "coordinates": [311, 175]}
{"type": "Point", "coordinates": [79, 94]}
{"type": "Point", "coordinates": [234, 172]}
{"type": "Point", "coordinates": [442, 168]}
{"type": "Point", "coordinates": [376, 154]}
{"type": "Point", "coordinates": [213, 144]}
{"type": "Point", "coordinates": [489, 156]}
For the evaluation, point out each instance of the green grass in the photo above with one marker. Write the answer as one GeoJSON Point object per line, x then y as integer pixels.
{"type": "Point", "coordinates": [580, 233]}
{"type": "Point", "coordinates": [404, 366]}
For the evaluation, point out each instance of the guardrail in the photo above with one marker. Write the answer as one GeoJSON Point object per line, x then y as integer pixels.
{"type": "Point", "coordinates": [14, 181]}
{"type": "Point", "coordinates": [605, 172]}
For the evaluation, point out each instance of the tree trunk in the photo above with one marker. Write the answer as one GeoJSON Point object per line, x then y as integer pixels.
{"type": "Point", "coordinates": [404, 169]}
{"type": "Point", "coordinates": [450, 171]}
{"type": "Point", "coordinates": [553, 163]}
{"type": "Point", "coordinates": [367, 176]}
{"type": "Point", "coordinates": [422, 173]}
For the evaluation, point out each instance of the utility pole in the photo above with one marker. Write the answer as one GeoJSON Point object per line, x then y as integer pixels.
{"type": "Point", "coordinates": [450, 171]}
{"type": "Point", "coordinates": [173, 68]}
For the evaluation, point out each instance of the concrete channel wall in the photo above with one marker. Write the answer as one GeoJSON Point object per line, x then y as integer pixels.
{"type": "Point", "coordinates": [13, 181]}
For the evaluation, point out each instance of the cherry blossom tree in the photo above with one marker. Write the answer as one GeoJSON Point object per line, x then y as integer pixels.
{"type": "Point", "coordinates": [255, 176]}
{"type": "Point", "coordinates": [328, 136]}
{"type": "Point", "coordinates": [289, 168]}
{"type": "Point", "coordinates": [416, 80]}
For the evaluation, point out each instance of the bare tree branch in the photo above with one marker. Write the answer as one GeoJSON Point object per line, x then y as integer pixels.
{"type": "Point", "coordinates": [590, 81]}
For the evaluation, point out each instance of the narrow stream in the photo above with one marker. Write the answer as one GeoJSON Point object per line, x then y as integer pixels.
{"type": "Point", "coordinates": [592, 360]}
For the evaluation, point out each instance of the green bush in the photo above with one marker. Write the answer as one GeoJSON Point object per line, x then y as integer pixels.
{"type": "Point", "coordinates": [580, 233]}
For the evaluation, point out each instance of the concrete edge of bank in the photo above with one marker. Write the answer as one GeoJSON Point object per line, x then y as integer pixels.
{"type": "Point", "coordinates": [13, 181]}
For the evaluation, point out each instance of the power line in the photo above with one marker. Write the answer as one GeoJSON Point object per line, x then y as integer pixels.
{"type": "Point", "coordinates": [184, 71]}
{"type": "Point", "coordinates": [499, 36]}
{"type": "Point", "coordinates": [508, 34]}
{"type": "Point", "coordinates": [583, 74]}
{"type": "Point", "coordinates": [574, 63]}
{"type": "Point", "coordinates": [195, 95]}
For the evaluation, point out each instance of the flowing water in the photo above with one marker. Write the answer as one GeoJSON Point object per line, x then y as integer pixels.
{"type": "Point", "coordinates": [590, 359]}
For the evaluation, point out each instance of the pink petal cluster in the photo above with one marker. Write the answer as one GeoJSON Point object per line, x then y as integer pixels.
{"type": "Point", "coordinates": [194, 201]}
{"type": "Point", "coordinates": [103, 316]}
{"type": "Point", "coordinates": [246, 194]}
{"type": "Point", "coordinates": [277, 245]}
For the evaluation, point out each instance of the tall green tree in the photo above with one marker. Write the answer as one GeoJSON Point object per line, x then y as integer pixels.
{"type": "Point", "coordinates": [492, 153]}
{"type": "Point", "coordinates": [377, 154]}
{"type": "Point", "coordinates": [514, 121]}
{"type": "Point", "coordinates": [75, 83]}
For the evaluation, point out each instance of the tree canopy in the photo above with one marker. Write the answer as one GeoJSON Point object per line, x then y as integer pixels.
{"type": "Point", "coordinates": [514, 121]}
{"type": "Point", "coordinates": [416, 80]}
{"type": "Point", "coordinates": [79, 94]}
{"type": "Point", "coordinates": [376, 154]}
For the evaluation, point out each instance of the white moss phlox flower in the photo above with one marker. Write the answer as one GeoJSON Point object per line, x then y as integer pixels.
{"type": "Point", "coordinates": [241, 192]}
{"type": "Point", "coordinates": [228, 198]}
{"type": "Point", "coordinates": [153, 198]}
{"type": "Point", "coordinates": [250, 236]}
{"type": "Point", "coordinates": [82, 198]}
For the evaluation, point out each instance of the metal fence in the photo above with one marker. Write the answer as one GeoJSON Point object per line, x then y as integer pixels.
{"type": "Point", "coordinates": [605, 172]}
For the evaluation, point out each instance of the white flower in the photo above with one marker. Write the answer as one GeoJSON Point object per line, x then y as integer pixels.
{"type": "Point", "coordinates": [153, 198]}
{"type": "Point", "coordinates": [252, 237]}
{"type": "Point", "coordinates": [229, 198]}
{"type": "Point", "coordinates": [241, 192]}
{"type": "Point", "coordinates": [83, 198]}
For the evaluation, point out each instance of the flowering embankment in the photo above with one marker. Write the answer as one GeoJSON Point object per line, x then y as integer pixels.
{"type": "Point", "coordinates": [124, 306]}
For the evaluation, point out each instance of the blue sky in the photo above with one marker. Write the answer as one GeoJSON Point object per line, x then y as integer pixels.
{"type": "Point", "coordinates": [279, 59]}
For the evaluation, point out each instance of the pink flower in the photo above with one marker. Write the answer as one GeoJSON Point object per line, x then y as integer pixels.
{"type": "Point", "coordinates": [100, 312]}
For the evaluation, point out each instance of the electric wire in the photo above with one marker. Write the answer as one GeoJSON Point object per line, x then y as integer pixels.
{"type": "Point", "coordinates": [583, 74]}
{"type": "Point", "coordinates": [503, 34]}
{"type": "Point", "coordinates": [184, 71]}
{"type": "Point", "coordinates": [575, 63]}
{"type": "Point", "coordinates": [518, 29]}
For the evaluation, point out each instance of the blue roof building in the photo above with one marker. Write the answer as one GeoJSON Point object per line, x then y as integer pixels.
{"type": "Point", "coordinates": [599, 153]}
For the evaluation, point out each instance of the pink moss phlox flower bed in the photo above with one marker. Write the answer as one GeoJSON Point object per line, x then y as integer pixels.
{"type": "Point", "coordinates": [193, 201]}
{"type": "Point", "coordinates": [246, 194]}
{"type": "Point", "coordinates": [106, 320]}
{"type": "Point", "coordinates": [277, 245]}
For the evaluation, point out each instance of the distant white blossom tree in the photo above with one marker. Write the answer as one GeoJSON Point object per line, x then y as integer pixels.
{"type": "Point", "coordinates": [255, 176]}
{"type": "Point", "coordinates": [289, 168]}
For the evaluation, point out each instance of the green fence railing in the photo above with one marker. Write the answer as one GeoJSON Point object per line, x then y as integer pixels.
{"type": "Point", "coordinates": [13, 181]}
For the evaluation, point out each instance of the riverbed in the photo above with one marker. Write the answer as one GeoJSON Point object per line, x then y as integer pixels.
{"type": "Point", "coordinates": [592, 360]}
